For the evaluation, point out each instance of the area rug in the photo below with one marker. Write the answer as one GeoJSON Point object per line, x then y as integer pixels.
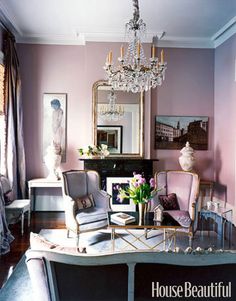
{"type": "Point", "coordinates": [18, 287]}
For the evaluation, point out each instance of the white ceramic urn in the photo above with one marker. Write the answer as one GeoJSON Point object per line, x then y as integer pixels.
{"type": "Point", "coordinates": [187, 160]}
{"type": "Point", "coordinates": [52, 161]}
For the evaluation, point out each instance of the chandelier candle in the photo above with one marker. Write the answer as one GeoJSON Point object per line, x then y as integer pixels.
{"type": "Point", "coordinates": [138, 50]}
{"type": "Point", "coordinates": [110, 57]}
{"type": "Point", "coordinates": [153, 51]}
{"type": "Point", "coordinates": [162, 56]}
{"type": "Point", "coordinates": [122, 52]}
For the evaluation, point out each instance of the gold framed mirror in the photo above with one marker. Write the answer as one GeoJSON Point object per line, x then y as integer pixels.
{"type": "Point", "coordinates": [118, 120]}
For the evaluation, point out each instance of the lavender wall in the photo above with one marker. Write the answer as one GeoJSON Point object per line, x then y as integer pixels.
{"type": "Point", "coordinates": [56, 69]}
{"type": "Point", "coordinates": [225, 110]}
{"type": "Point", "coordinates": [188, 90]}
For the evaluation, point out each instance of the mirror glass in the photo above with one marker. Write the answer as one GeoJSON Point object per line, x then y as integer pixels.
{"type": "Point", "coordinates": [122, 134]}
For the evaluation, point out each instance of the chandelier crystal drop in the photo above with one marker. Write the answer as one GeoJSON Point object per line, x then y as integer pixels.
{"type": "Point", "coordinates": [111, 111]}
{"type": "Point", "coordinates": [135, 73]}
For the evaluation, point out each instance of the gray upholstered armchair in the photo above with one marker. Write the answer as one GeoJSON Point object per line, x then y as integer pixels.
{"type": "Point", "coordinates": [86, 205]}
{"type": "Point", "coordinates": [185, 185]}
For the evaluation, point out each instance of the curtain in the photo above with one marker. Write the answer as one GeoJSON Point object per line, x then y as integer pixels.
{"type": "Point", "coordinates": [5, 235]}
{"type": "Point", "coordinates": [15, 154]}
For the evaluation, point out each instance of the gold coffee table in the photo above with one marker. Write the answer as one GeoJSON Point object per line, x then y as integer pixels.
{"type": "Point", "coordinates": [168, 227]}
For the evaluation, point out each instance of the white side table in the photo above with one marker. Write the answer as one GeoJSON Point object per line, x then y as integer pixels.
{"type": "Point", "coordinates": [42, 183]}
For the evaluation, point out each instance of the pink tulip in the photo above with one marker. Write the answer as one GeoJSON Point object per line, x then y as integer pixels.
{"type": "Point", "coordinates": [152, 182]}
{"type": "Point", "coordinates": [141, 181]}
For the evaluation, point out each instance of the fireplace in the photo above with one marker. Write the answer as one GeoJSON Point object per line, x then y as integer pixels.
{"type": "Point", "coordinates": [119, 167]}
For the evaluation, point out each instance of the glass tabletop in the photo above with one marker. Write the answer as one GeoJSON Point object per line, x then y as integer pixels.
{"type": "Point", "coordinates": [219, 210]}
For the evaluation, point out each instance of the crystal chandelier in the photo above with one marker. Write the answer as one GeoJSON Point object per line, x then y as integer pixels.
{"type": "Point", "coordinates": [135, 73]}
{"type": "Point", "coordinates": [111, 111]}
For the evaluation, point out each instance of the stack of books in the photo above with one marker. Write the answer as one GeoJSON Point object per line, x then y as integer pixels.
{"type": "Point", "coordinates": [121, 218]}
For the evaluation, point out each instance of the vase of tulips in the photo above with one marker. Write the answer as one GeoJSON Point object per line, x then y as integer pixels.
{"type": "Point", "coordinates": [140, 192]}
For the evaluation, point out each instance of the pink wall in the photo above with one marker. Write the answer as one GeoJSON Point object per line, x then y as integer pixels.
{"type": "Point", "coordinates": [225, 112]}
{"type": "Point", "coordinates": [187, 90]}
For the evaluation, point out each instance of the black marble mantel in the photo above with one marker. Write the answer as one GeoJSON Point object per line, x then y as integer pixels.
{"type": "Point", "coordinates": [119, 167]}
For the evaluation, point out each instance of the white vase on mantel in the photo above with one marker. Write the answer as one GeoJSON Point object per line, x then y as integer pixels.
{"type": "Point", "coordinates": [53, 162]}
{"type": "Point", "coordinates": [187, 160]}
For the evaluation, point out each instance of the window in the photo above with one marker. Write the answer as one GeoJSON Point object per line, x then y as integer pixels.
{"type": "Point", "coordinates": [2, 122]}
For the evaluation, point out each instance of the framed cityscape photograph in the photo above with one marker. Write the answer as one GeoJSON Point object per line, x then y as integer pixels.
{"type": "Point", "coordinates": [172, 132]}
{"type": "Point", "coordinates": [112, 188]}
{"type": "Point", "coordinates": [111, 136]}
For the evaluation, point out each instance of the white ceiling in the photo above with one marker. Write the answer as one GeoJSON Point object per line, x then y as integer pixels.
{"type": "Point", "coordinates": [186, 23]}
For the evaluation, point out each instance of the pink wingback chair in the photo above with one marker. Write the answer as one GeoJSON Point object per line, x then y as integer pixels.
{"type": "Point", "coordinates": [186, 187]}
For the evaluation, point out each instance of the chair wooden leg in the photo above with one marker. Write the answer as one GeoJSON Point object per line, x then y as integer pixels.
{"type": "Point", "coordinates": [22, 222]}
{"type": "Point", "coordinates": [190, 240]}
{"type": "Point", "coordinates": [146, 233]}
{"type": "Point", "coordinates": [29, 216]}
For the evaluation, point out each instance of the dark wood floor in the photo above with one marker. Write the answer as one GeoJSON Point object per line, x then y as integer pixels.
{"type": "Point", "coordinates": [39, 220]}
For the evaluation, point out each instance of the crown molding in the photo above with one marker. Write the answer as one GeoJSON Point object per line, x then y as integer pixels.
{"type": "Point", "coordinates": [227, 31]}
{"type": "Point", "coordinates": [167, 41]}
{"type": "Point", "coordinates": [82, 38]}
{"type": "Point", "coordinates": [51, 39]}
{"type": "Point", "coordinates": [183, 42]}
{"type": "Point", "coordinates": [104, 37]}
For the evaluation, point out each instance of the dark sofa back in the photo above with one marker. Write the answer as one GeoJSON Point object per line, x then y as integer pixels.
{"type": "Point", "coordinates": [90, 283]}
{"type": "Point", "coordinates": [139, 276]}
